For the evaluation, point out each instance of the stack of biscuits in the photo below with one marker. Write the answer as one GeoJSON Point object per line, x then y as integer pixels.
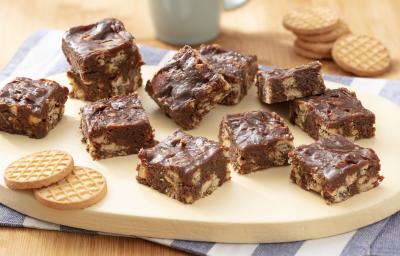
{"type": "Point", "coordinates": [321, 34]}
{"type": "Point", "coordinates": [316, 30]}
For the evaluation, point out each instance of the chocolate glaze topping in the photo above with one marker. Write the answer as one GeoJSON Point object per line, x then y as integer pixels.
{"type": "Point", "coordinates": [184, 79]}
{"type": "Point", "coordinates": [257, 127]}
{"type": "Point", "coordinates": [100, 36]}
{"type": "Point", "coordinates": [338, 104]}
{"type": "Point", "coordinates": [232, 65]}
{"type": "Point", "coordinates": [32, 95]}
{"type": "Point", "coordinates": [307, 80]}
{"type": "Point", "coordinates": [336, 156]}
{"type": "Point", "coordinates": [280, 73]}
{"type": "Point", "coordinates": [182, 151]}
{"type": "Point", "coordinates": [116, 111]}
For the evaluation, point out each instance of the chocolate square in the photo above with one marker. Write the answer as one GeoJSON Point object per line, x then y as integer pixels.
{"type": "Point", "coordinates": [183, 167]}
{"type": "Point", "coordinates": [335, 168]}
{"type": "Point", "coordinates": [105, 61]}
{"type": "Point", "coordinates": [255, 140]}
{"type": "Point", "coordinates": [186, 89]}
{"type": "Point", "coordinates": [31, 107]}
{"type": "Point", "coordinates": [115, 127]}
{"type": "Point", "coordinates": [337, 111]}
{"type": "Point", "coordinates": [237, 69]}
{"type": "Point", "coordinates": [280, 85]}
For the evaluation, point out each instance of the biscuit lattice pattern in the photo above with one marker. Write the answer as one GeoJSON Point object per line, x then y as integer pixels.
{"type": "Point", "coordinates": [362, 52]}
{"type": "Point", "coordinates": [82, 184]}
{"type": "Point", "coordinates": [311, 18]}
{"type": "Point", "coordinates": [38, 166]}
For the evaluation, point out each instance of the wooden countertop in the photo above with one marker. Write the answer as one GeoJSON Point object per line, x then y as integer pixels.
{"type": "Point", "coordinates": [255, 28]}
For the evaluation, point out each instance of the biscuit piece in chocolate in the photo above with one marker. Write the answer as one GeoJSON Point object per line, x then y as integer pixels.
{"type": "Point", "coordinates": [280, 85]}
{"type": "Point", "coordinates": [255, 140]}
{"type": "Point", "coordinates": [186, 89]}
{"type": "Point", "coordinates": [335, 168]}
{"type": "Point", "coordinates": [183, 167]}
{"type": "Point", "coordinates": [336, 111]}
{"type": "Point", "coordinates": [115, 127]}
{"type": "Point", "coordinates": [105, 61]}
{"type": "Point", "coordinates": [237, 69]}
{"type": "Point", "coordinates": [31, 107]}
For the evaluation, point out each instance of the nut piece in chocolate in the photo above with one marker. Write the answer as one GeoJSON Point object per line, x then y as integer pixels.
{"type": "Point", "coordinates": [104, 59]}
{"type": "Point", "coordinates": [280, 85]}
{"type": "Point", "coordinates": [115, 127]}
{"type": "Point", "coordinates": [237, 69]}
{"type": "Point", "coordinates": [31, 107]}
{"type": "Point", "coordinates": [183, 167]}
{"type": "Point", "coordinates": [186, 89]}
{"type": "Point", "coordinates": [336, 111]}
{"type": "Point", "coordinates": [255, 140]}
{"type": "Point", "coordinates": [335, 168]}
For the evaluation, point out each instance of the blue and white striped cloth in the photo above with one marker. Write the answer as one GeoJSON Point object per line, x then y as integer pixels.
{"type": "Point", "coordinates": [41, 56]}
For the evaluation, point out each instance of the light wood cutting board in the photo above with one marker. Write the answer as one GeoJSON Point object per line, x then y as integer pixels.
{"type": "Point", "coordinates": [260, 207]}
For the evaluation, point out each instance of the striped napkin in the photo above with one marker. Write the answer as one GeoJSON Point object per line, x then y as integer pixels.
{"type": "Point", "coordinates": [40, 56]}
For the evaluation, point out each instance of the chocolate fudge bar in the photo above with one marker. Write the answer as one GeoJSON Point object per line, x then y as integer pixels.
{"type": "Point", "coordinates": [237, 69]}
{"type": "Point", "coordinates": [183, 167]}
{"type": "Point", "coordinates": [31, 107]}
{"type": "Point", "coordinates": [186, 89]}
{"type": "Point", "coordinates": [280, 85]}
{"type": "Point", "coordinates": [115, 127]}
{"type": "Point", "coordinates": [336, 111]}
{"type": "Point", "coordinates": [335, 168]}
{"type": "Point", "coordinates": [104, 59]}
{"type": "Point", "coordinates": [255, 140]}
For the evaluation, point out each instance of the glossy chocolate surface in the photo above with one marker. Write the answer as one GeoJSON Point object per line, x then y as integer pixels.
{"type": "Point", "coordinates": [280, 85]}
{"type": "Point", "coordinates": [232, 65]}
{"type": "Point", "coordinates": [114, 112]}
{"type": "Point", "coordinates": [182, 151]}
{"type": "Point", "coordinates": [296, 72]}
{"type": "Point", "coordinates": [186, 88]}
{"type": "Point", "coordinates": [336, 105]}
{"type": "Point", "coordinates": [101, 36]}
{"type": "Point", "coordinates": [182, 80]}
{"type": "Point", "coordinates": [335, 157]}
{"type": "Point", "coordinates": [32, 96]}
{"type": "Point", "coordinates": [257, 128]}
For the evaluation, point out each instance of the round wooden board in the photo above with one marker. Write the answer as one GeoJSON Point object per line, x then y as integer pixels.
{"type": "Point", "coordinates": [260, 207]}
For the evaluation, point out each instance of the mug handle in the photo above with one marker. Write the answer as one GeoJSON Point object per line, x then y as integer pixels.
{"type": "Point", "coordinates": [233, 4]}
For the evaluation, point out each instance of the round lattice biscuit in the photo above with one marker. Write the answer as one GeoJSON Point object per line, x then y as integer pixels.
{"type": "Point", "coordinates": [38, 170]}
{"type": "Point", "coordinates": [82, 188]}
{"type": "Point", "coordinates": [310, 54]}
{"type": "Point", "coordinates": [329, 37]}
{"type": "Point", "coordinates": [323, 48]}
{"type": "Point", "coordinates": [361, 54]}
{"type": "Point", "coordinates": [311, 21]}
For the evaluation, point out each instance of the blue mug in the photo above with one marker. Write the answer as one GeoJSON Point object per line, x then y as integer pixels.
{"type": "Point", "coordinates": [189, 21]}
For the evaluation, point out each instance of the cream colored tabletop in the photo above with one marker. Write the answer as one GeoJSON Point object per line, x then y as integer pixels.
{"type": "Point", "coordinates": [256, 28]}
